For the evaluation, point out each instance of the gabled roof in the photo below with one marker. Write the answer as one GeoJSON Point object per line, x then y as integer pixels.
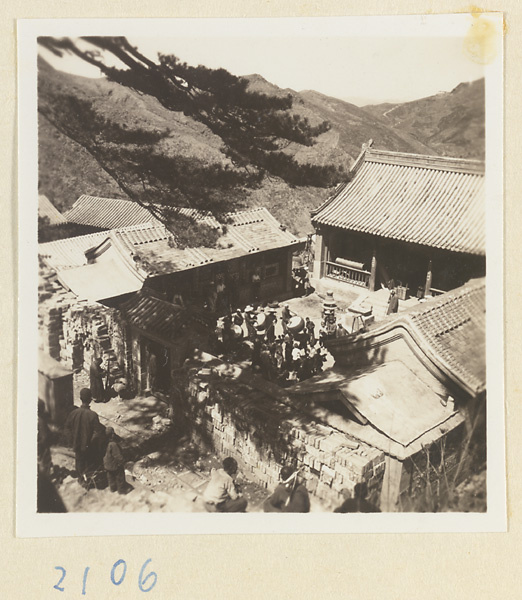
{"type": "Point", "coordinates": [47, 209]}
{"type": "Point", "coordinates": [69, 253]}
{"type": "Point", "coordinates": [150, 250]}
{"type": "Point", "coordinates": [101, 281]}
{"type": "Point", "coordinates": [154, 249]}
{"type": "Point", "coordinates": [108, 213]}
{"type": "Point", "coordinates": [450, 330]}
{"type": "Point", "coordinates": [428, 200]}
{"type": "Point", "coordinates": [157, 316]}
{"type": "Point", "coordinates": [152, 314]}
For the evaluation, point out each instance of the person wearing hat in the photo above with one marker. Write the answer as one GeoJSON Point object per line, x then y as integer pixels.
{"type": "Point", "coordinates": [81, 425]}
{"type": "Point", "coordinates": [290, 496]}
{"type": "Point", "coordinates": [113, 462]}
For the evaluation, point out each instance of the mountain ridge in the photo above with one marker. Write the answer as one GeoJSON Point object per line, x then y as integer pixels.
{"type": "Point", "coordinates": [67, 169]}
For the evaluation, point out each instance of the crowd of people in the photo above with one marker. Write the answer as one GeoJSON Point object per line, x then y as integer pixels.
{"type": "Point", "coordinates": [286, 354]}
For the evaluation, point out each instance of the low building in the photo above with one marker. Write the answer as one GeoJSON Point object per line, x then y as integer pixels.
{"type": "Point", "coordinates": [47, 210]}
{"type": "Point", "coordinates": [414, 387]}
{"type": "Point", "coordinates": [110, 264]}
{"type": "Point", "coordinates": [416, 220]}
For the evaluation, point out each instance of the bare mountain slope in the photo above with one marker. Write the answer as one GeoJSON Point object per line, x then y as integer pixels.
{"type": "Point", "coordinates": [450, 123]}
{"type": "Point", "coordinates": [351, 127]}
{"type": "Point", "coordinates": [430, 126]}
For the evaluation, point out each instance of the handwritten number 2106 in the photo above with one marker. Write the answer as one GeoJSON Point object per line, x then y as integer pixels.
{"type": "Point", "coordinates": [118, 572]}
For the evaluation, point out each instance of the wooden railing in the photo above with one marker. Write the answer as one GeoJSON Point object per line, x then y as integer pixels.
{"type": "Point", "coordinates": [436, 292]}
{"type": "Point", "coordinates": [348, 274]}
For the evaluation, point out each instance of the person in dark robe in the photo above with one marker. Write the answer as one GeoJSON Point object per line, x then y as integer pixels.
{"type": "Point", "coordinates": [152, 372]}
{"type": "Point", "coordinates": [256, 352]}
{"type": "Point", "coordinates": [358, 502]}
{"type": "Point", "coordinates": [96, 374]}
{"type": "Point", "coordinates": [289, 346]}
{"type": "Point", "coordinates": [250, 319]}
{"type": "Point", "coordinates": [114, 462]}
{"type": "Point", "coordinates": [286, 315]}
{"type": "Point", "coordinates": [44, 441]}
{"type": "Point", "coordinates": [310, 330]}
{"type": "Point", "coordinates": [290, 496]}
{"type": "Point", "coordinates": [48, 500]}
{"type": "Point", "coordinates": [256, 285]}
{"type": "Point", "coordinates": [81, 425]}
{"type": "Point", "coordinates": [266, 364]}
{"type": "Point", "coordinates": [271, 320]}
{"type": "Point", "coordinates": [393, 303]}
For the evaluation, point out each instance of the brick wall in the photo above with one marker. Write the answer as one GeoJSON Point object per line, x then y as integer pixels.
{"type": "Point", "coordinates": [262, 432]}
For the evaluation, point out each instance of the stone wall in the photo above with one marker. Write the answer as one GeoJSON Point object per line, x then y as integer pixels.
{"type": "Point", "coordinates": [263, 432]}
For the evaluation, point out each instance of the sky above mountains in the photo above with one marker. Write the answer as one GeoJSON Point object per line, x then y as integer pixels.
{"type": "Point", "coordinates": [363, 66]}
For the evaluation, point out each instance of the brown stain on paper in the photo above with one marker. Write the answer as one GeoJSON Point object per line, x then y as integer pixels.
{"type": "Point", "coordinates": [480, 43]}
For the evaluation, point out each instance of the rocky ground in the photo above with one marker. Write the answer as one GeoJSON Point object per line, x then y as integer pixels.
{"type": "Point", "coordinates": [166, 473]}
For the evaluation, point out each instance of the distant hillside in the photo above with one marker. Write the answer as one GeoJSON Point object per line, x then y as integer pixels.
{"type": "Point", "coordinates": [351, 126]}
{"type": "Point", "coordinates": [67, 169]}
{"type": "Point", "coordinates": [451, 123]}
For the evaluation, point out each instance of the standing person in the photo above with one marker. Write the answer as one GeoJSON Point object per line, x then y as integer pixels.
{"type": "Point", "coordinates": [44, 441]}
{"type": "Point", "coordinates": [286, 315]}
{"type": "Point", "coordinates": [290, 496]}
{"type": "Point", "coordinates": [278, 355]}
{"type": "Point", "coordinates": [288, 352]}
{"type": "Point", "coordinates": [152, 372]}
{"type": "Point", "coordinates": [256, 285]}
{"type": "Point", "coordinates": [271, 320]}
{"type": "Point", "coordinates": [250, 319]}
{"type": "Point", "coordinates": [393, 303]}
{"type": "Point", "coordinates": [221, 494]}
{"type": "Point", "coordinates": [310, 329]}
{"type": "Point", "coordinates": [81, 424]}
{"type": "Point", "coordinates": [113, 462]}
{"type": "Point", "coordinates": [96, 374]}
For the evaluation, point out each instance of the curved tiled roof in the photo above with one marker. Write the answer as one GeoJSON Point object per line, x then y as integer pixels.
{"type": "Point", "coordinates": [151, 247]}
{"type": "Point", "coordinates": [69, 253]}
{"type": "Point", "coordinates": [108, 213]}
{"type": "Point", "coordinates": [47, 209]}
{"type": "Point", "coordinates": [450, 330]}
{"type": "Point", "coordinates": [433, 201]}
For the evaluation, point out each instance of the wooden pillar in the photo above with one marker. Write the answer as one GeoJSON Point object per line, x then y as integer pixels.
{"type": "Point", "coordinates": [429, 278]}
{"type": "Point", "coordinates": [319, 255]}
{"type": "Point", "coordinates": [391, 485]}
{"type": "Point", "coordinates": [373, 274]}
{"type": "Point", "coordinates": [288, 274]}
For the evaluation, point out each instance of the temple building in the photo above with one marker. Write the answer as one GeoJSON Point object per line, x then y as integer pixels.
{"type": "Point", "coordinates": [417, 221]}
{"type": "Point", "coordinates": [128, 249]}
{"type": "Point", "coordinates": [414, 387]}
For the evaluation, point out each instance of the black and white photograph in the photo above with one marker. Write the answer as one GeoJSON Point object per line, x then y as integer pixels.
{"type": "Point", "coordinates": [259, 267]}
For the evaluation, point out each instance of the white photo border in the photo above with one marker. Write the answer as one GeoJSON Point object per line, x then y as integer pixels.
{"type": "Point", "coordinates": [31, 524]}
